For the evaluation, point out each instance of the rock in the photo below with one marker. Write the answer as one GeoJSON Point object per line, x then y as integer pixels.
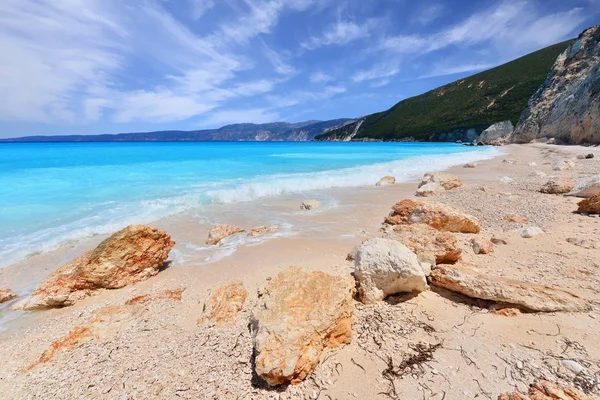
{"type": "Point", "coordinates": [573, 366]}
{"type": "Point", "coordinates": [532, 164]}
{"type": "Point", "coordinates": [438, 216]}
{"type": "Point", "coordinates": [470, 165]}
{"type": "Point", "coordinates": [497, 241]}
{"type": "Point", "coordinates": [587, 187]}
{"type": "Point", "coordinates": [506, 180]}
{"type": "Point", "coordinates": [309, 205]}
{"type": "Point", "coordinates": [422, 239]}
{"type": "Point", "coordinates": [590, 205]}
{"type": "Point", "coordinates": [581, 157]}
{"type": "Point", "coordinates": [509, 161]}
{"type": "Point", "coordinates": [585, 243]}
{"type": "Point", "coordinates": [507, 312]}
{"type": "Point", "coordinates": [386, 180]}
{"type": "Point", "coordinates": [530, 231]}
{"type": "Point", "coordinates": [262, 230]}
{"type": "Point", "coordinates": [517, 219]}
{"type": "Point", "coordinates": [445, 181]}
{"type": "Point", "coordinates": [482, 246]}
{"type": "Point", "coordinates": [428, 190]}
{"type": "Point", "coordinates": [558, 186]}
{"type": "Point", "coordinates": [224, 304]}
{"type": "Point", "coordinates": [563, 165]}
{"type": "Point", "coordinates": [131, 255]}
{"type": "Point", "coordinates": [527, 296]}
{"type": "Point", "coordinates": [170, 294]}
{"type": "Point", "coordinates": [544, 390]}
{"type": "Point", "coordinates": [427, 261]}
{"type": "Point", "coordinates": [384, 267]}
{"type": "Point", "coordinates": [300, 315]}
{"type": "Point", "coordinates": [589, 156]}
{"type": "Point", "coordinates": [565, 107]}
{"type": "Point", "coordinates": [6, 295]}
{"type": "Point", "coordinates": [497, 134]}
{"type": "Point", "coordinates": [220, 232]}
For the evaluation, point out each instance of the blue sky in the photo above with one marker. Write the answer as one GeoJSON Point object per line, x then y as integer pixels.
{"type": "Point", "coordinates": [109, 66]}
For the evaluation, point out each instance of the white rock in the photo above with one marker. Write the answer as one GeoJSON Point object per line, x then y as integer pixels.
{"type": "Point", "coordinates": [384, 267]}
{"type": "Point", "coordinates": [532, 164]}
{"type": "Point", "coordinates": [429, 189]}
{"type": "Point", "coordinates": [506, 179]}
{"type": "Point", "coordinates": [573, 366]}
{"type": "Point", "coordinates": [563, 165]}
{"type": "Point", "coordinates": [386, 180]}
{"type": "Point", "coordinates": [587, 187]}
{"type": "Point", "coordinates": [530, 231]}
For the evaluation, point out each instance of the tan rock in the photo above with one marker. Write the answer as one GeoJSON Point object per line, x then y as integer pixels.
{"type": "Point", "coordinates": [469, 282]}
{"type": "Point", "coordinates": [309, 205]}
{"type": "Point", "coordinates": [561, 185]}
{"type": "Point", "coordinates": [438, 216]}
{"type": "Point", "coordinates": [422, 239]}
{"type": "Point", "coordinates": [131, 255]}
{"type": "Point", "coordinates": [220, 232]}
{"type": "Point", "coordinates": [544, 390]}
{"type": "Point", "coordinates": [507, 312]}
{"type": "Point", "coordinates": [224, 303]}
{"type": "Point", "coordinates": [470, 165]}
{"type": "Point", "coordinates": [262, 230]}
{"type": "Point", "coordinates": [435, 182]}
{"type": "Point", "coordinates": [386, 180]}
{"type": "Point", "coordinates": [517, 219]}
{"type": "Point", "coordinates": [6, 295]}
{"type": "Point", "coordinates": [585, 243]}
{"type": "Point", "coordinates": [482, 245]}
{"type": "Point", "coordinates": [591, 205]}
{"type": "Point", "coordinates": [301, 314]}
{"type": "Point", "coordinates": [170, 294]}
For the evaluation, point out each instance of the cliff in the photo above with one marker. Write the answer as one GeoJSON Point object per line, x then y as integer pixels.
{"type": "Point", "coordinates": [567, 106]}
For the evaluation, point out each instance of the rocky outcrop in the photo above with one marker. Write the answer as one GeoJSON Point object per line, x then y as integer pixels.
{"type": "Point", "coordinates": [468, 282]}
{"type": "Point", "coordinates": [590, 205]}
{"type": "Point", "coordinates": [434, 183]}
{"type": "Point", "coordinates": [558, 186]}
{"type": "Point", "coordinates": [386, 180]}
{"type": "Point", "coordinates": [224, 303]}
{"type": "Point", "coordinates": [384, 267]}
{"type": "Point", "coordinates": [586, 188]}
{"type": "Point", "coordinates": [262, 230]}
{"type": "Point", "coordinates": [567, 106]}
{"type": "Point", "coordinates": [422, 239]}
{"type": "Point", "coordinates": [131, 255]}
{"type": "Point", "coordinates": [544, 390]}
{"type": "Point", "coordinates": [300, 314]}
{"type": "Point", "coordinates": [6, 295]}
{"type": "Point", "coordinates": [497, 134]}
{"type": "Point", "coordinates": [220, 232]}
{"type": "Point", "coordinates": [438, 216]}
{"type": "Point", "coordinates": [309, 205]}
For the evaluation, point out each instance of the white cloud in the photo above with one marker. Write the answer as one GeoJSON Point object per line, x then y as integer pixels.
{"type": "Point", "coordinates": [429, 13]}
{"type": "Point", "coordinates": [383, 70]}
{"type": "Point", "coordinates": [444, 70]}
{"type": "Point", "coordinates": [320, 77]}
{"type": "Point", "coordinates": [380, 83]}
{"type": "Point", "coordinates": [199, 7]}
{"type": "Point", "coordinates": [339, 33]}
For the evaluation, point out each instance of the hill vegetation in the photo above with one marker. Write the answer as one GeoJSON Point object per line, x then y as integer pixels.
{"type": "Point", "coordinates": [446, 113]}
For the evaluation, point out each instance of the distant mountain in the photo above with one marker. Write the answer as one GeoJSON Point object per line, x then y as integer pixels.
{"type": "Point", "coordinates": [276, 131]}
{"type": "Point", "coordinates": [459, 110]}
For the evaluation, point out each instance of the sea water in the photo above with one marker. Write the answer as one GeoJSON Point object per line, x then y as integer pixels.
{"type": "Point", "coordinates": [56, 193]}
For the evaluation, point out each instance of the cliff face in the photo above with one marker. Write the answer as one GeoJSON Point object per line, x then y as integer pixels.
{"type": "Point", "coordinates": [567, 106]}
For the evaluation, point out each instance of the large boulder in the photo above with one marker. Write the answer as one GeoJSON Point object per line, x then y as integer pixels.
{"type": "Point", "coordinates": [544, 390]}
{"type": "Point", "coordinates": [560, 185]}
{"type": "Point", "coordinates": [433, 183]}
{"type": "Point", "coordinates": [224, 303]}
{"type": "Point", "coordinates": [220, 232]}
{"type": "Point", "coordinates": [587, 187]}
{"type": "Point", "coordinates": [590, 205]}
{"type": "Point", "coordinates": [438, 216]}
{"type": "Point", "coordinates": [299, 315]}
{"type": "Point", "coordinates": [471, 283]}
{"type": "Point", "coordinates": [497, 134]}
{"type": "Point", "coordinates": [386, 180]}
{"type": "Point", "coordinates": [422, 239]}
{"type": "Point", "coordinates": [131, 255]}
{"type": "Point", "coordinates": [6, 295]}
{"type": "Point", "coordinates": [384, 267]}
{"type": "Point", "coordinates": [565, 107]}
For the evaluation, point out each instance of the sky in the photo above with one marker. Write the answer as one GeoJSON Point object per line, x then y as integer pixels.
{"type": "Point", "coordinates": [111, 66]}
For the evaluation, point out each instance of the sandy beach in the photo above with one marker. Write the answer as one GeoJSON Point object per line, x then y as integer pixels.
{"type": "Point", "coordinates": [158, 349]}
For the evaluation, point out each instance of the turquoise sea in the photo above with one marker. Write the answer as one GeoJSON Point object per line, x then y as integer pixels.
{"type": "Point", "coordinates": [55, 193]}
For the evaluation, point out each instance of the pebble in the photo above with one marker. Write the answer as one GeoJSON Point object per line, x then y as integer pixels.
{"type": "Point", "coordinates": [573, 366]}
{"type": "Point", "coordinates": [520, 364]}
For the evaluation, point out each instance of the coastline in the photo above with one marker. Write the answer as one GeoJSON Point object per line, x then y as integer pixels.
{"type": "Point", "coordinates": [357, 215]}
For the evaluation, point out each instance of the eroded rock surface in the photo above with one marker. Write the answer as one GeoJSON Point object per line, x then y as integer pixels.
{"type": "Point", "coordinates": [422, 239]}
{"type": "Point", "coordinates": [558, 186]}
{"type": "Point", "coordinates": [433, 183]}
{"type": "Point", "coordinates": [587, 187]}
{"type": "Point", "coordinates": [300, 314]}
{"type": "Point", "coordinates": [467, 281]}
{"type": "Point", "coordinates": [544, 390]}
{"type": "Point", "coordinates": [6, 295]}
{"type": "Point", "coordinates": [386, 180]}
{"type": "Point", "coordinates": [590, 205]}
{"type": "Point", "coordinates": [262, 230]}
{"type": "Point", "coordinates": [497, 134]}
{"type": "Point", "coordinates": [131, 255]}
{"type": "Point", "coordinates": [438, 216]}
{"type": "Point", "coordinates": [309, 205]}
{"type": "Point", "coordinates": [224, 303]}
{"type": "Point", "coordinates": [220, 232]}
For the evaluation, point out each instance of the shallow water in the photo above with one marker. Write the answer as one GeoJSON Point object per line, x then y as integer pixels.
{"type": "Point", "coordinates": [52, 194]}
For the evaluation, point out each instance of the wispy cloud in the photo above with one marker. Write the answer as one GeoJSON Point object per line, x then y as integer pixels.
{"type": "Point", "coordinates": [320, 77]}
{"type": "Point", "coordinates": [429, 13]}
{"type": "Point", "coordinates": [199, 7]}
{"type": "Point", "coordinates": [339, 33]}
{"type": "Point", "coordinates": [444, 70]}
{"type": "Point", "coordinates": [383, 70]}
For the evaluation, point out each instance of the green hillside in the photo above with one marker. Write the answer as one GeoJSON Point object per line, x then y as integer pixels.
{"type": "Point", "coordinates": [499, 94]}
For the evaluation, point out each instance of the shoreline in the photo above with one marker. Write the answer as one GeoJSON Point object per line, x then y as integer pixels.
{"type": "Point", "coordinates": [357, 216]}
